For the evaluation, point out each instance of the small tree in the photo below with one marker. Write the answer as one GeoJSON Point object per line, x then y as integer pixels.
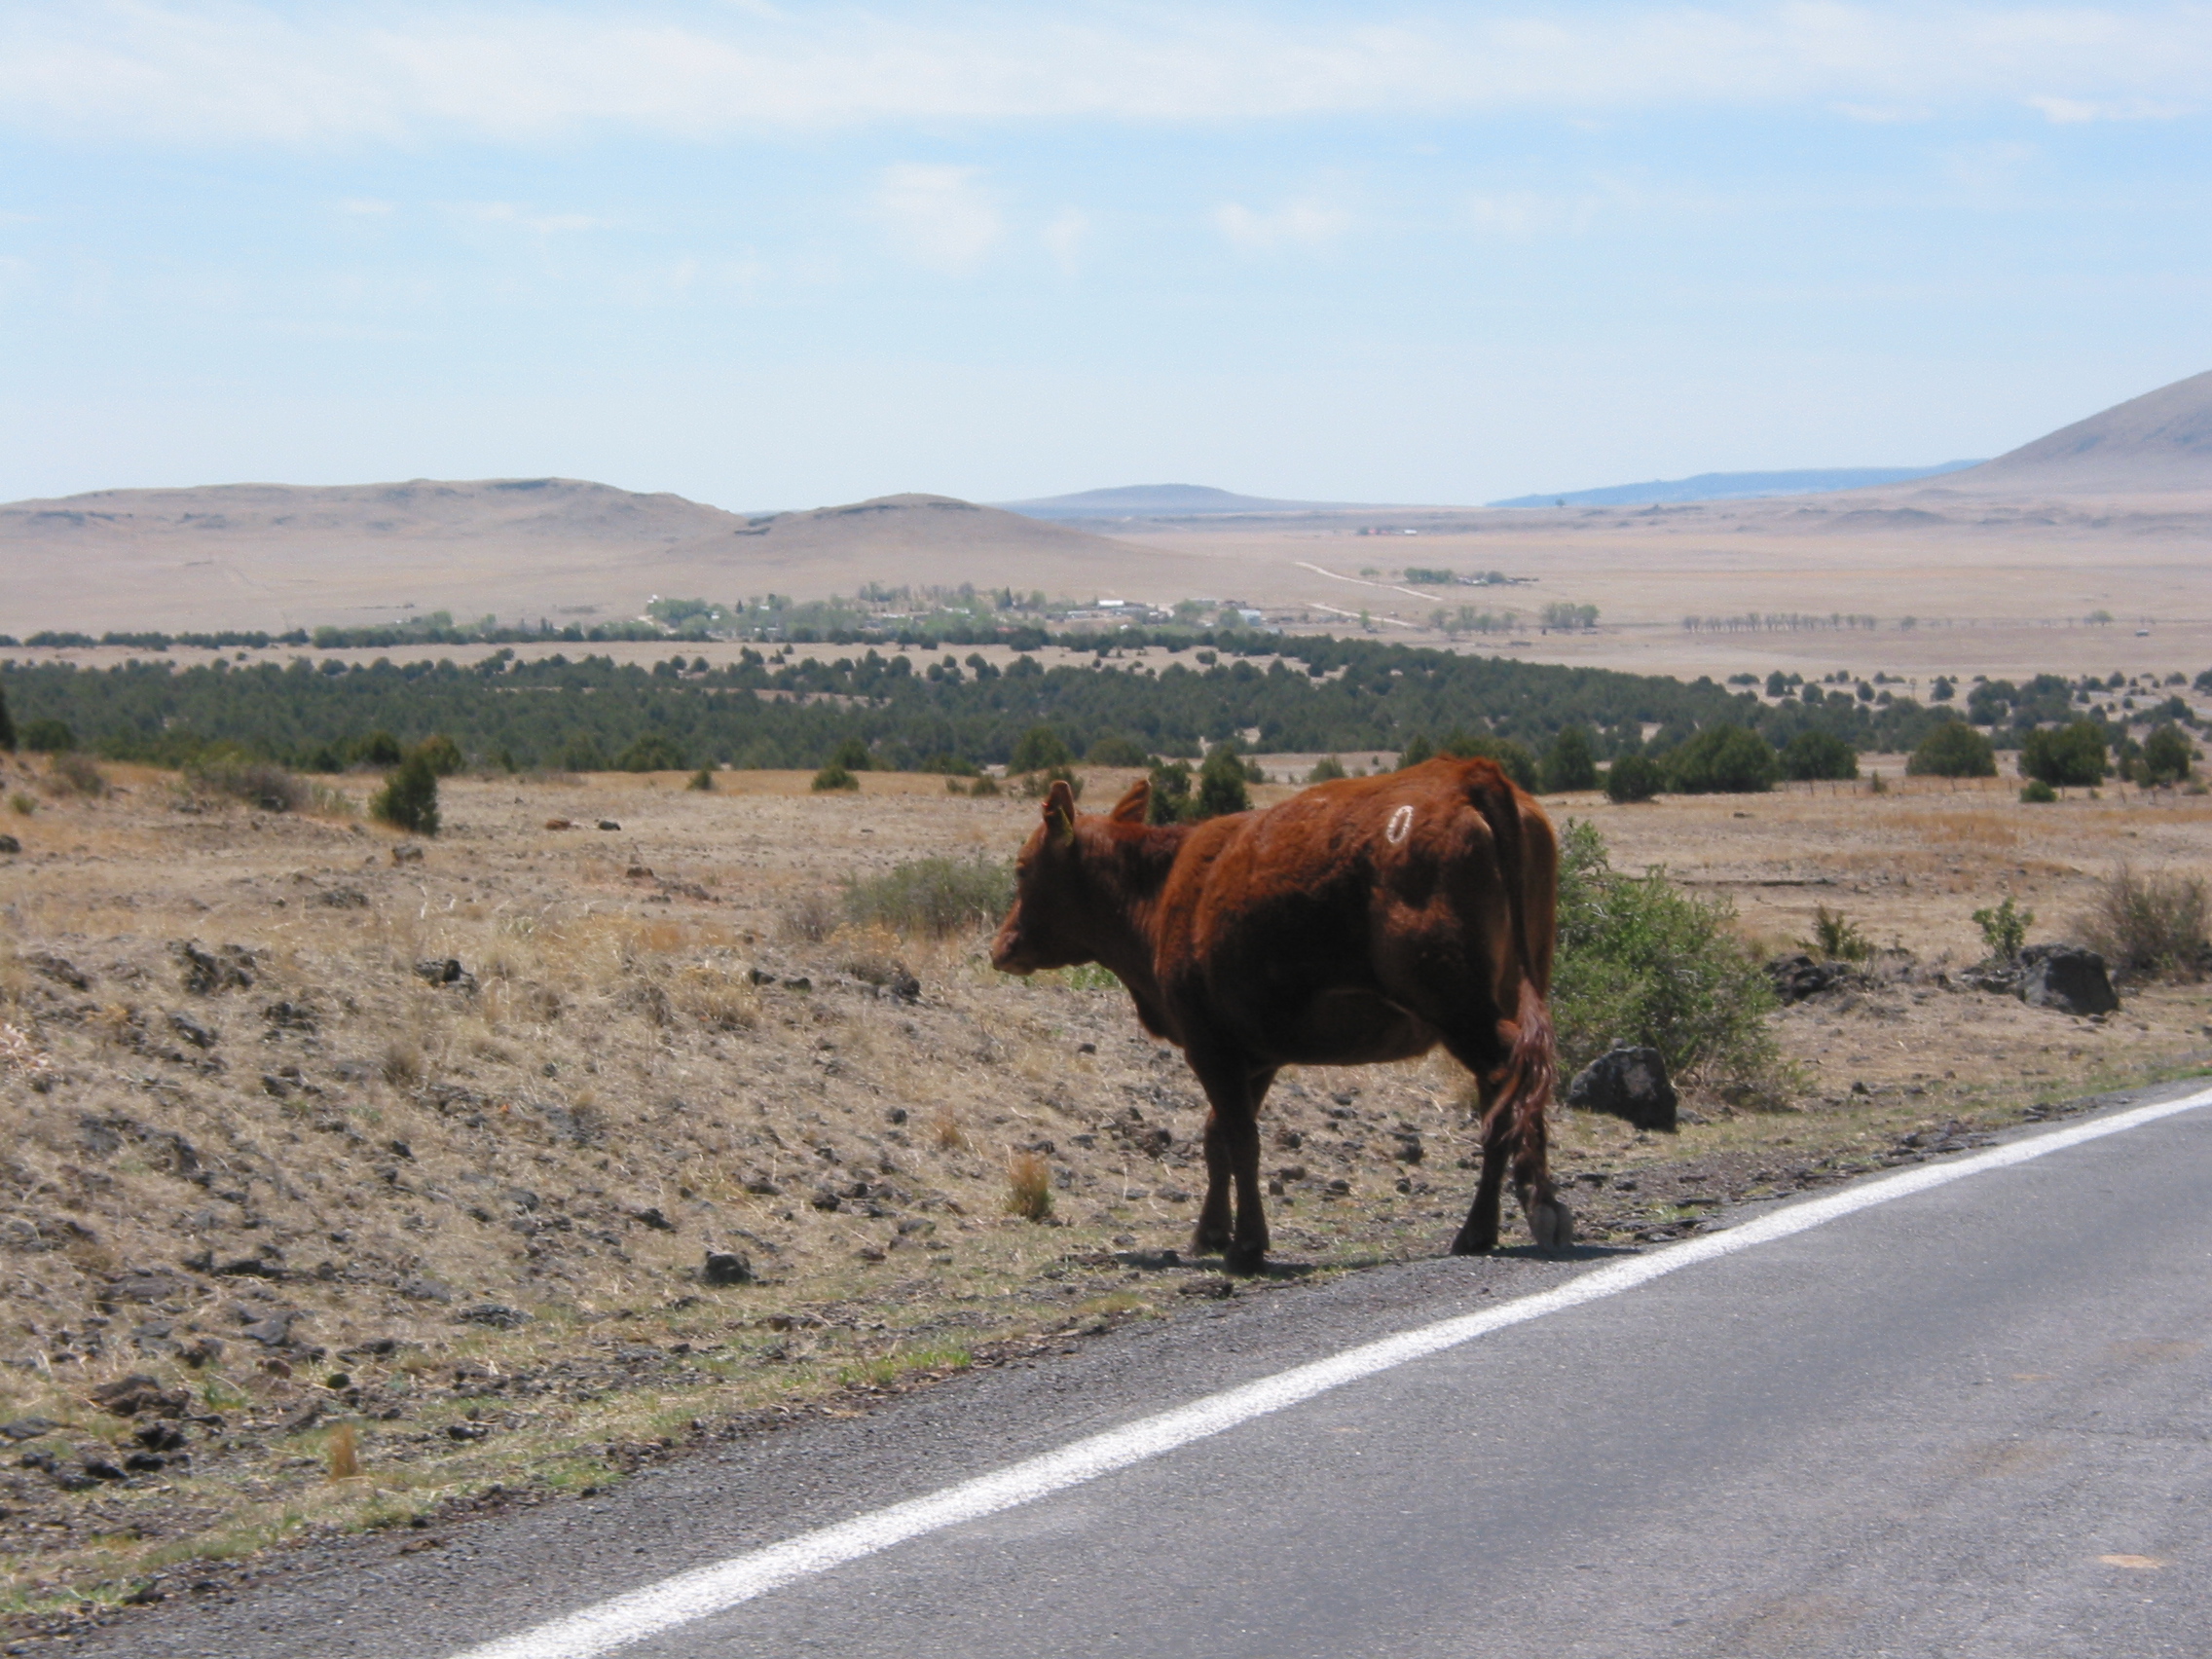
{"type": "Point", "coordinates": [2167, 756]}
{"type": "Point", "coordinates": [7, 725]}
{"type": "Point", "coordinates": [442, 753]}
{"type": "Point", "coordinates": [380, 748]}
{"type": "Point", "coordinates": [1115, 750]}
{"type": "Point", "coordinates": [1040, 746]}
{"type": "Point", "coordinates": [2065, 756]}
{"type": "Point", "coordinates": [409, 798]}
{"type": "Point", "coordinates": [1952, 749]}
{"type": "Point", "coordinates": [1723, 760]}
{"type": "Point", "coordinates": [853, 755]}
{"type": "Point", "coordinates": [834, 777]}
{"type": "Point", "coordinates": [48, 736]}
{"type": "Point", "coordinates": [1633, 778]}
{"type": "Point", "coordinates": [1325, 769]}
{"type": "Point", "coordinates": [1170, 801]}
{"type": "Point", "coordinates": [1570, 762]}
{"type": "Point", "coordinates": [1818, 754]}
{"type": "Point", "coordinates": [1418, 749]}
{"type": "Point", "coordinates": [652, 752]}
{"type": "Point", "coordinates": [1221, 785]}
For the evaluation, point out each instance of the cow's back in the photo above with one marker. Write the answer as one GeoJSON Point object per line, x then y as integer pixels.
{"type": "Point", "coordinates": [1390, 888]}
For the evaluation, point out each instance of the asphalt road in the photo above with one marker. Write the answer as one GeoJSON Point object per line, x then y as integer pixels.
{"type": "Point", "coordinates": [1970, 1422]}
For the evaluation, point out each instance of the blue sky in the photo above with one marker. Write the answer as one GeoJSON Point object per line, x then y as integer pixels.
{"type": "Point", "coordinates": [776, 256]}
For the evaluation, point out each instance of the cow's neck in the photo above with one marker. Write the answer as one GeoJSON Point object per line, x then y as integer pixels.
{"type": "Point", "coordinates": [1128, 872]}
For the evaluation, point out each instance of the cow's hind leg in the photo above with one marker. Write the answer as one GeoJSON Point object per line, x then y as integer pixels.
{"type": "Point", "coordinates": [1550, 1223]}
{"type": "Point", "coordinates": [1480, 1232]}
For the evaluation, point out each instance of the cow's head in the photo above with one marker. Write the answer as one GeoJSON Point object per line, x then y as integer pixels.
{"type": "Point", "coordinates": [1058, 901]}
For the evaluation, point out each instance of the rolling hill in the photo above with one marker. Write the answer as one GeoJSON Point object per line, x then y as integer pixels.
{"type": "Point", "coordinates": [2157, 444]}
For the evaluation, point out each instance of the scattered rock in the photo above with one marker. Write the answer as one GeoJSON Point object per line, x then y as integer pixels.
{"type": "Point", "coordinates": [26, 1428]}
{"type": "Point", "coordinates": [1798, 977]}
{"type": "Point", "coordinates": [497, 1314]}
{"type": "Point", "coordinates": [608, 824]}
{"type": "Point", "coordinates": [61, 970]}
{"type": "Point", "coordinates": [652, 1218]}
{"type": "Point", "coordinates": [1207, 1284]}
{"type": "Point", "coordinates": [145, 1463]}
{"type": "Point", "coordinates": [2067, 977]}
{"type": "Point", "coordinates": [160, 1437]}
{"type": "Point", "coordinates": [146, 1286]}
{"type": "Point", "coordinates": [466, 1430]}
{"type": "Point", "coordinates": [304, 1416]}
{"type": "Point", "coordinates": [406, 853]}
{"type": "Point", "coordinates": [426, 1290]}
{"type": "Point", "coordinates": [342, 898]}
{"type": "Point", "coordinates": [444, 971]}
{"type": "Point", "coordinates": [100, 1469]}
{"type": "Point", "coordinates": [274, 1330]}
{"type": "Point", "coordinates": [127, 1396]}
{"type": "Point", "coordinates": [192, 1031]}
{"type": "Point", "coordinates": [204, 972]}
{"type": "Point", "coordinates": [726, 1266]}
{"type": "Point", "coordinates": [559, 824]}
{"type": "Point", "coordinates": [1626, 1081]}
{"type": "Point", "coordinates": [10, 846]}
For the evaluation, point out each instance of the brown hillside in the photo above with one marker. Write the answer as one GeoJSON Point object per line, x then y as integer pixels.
{"type": "Point", "coordinates": [2156, 443]}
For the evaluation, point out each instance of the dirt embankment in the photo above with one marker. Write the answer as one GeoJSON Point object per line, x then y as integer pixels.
{"type": "Point", "coordinates": [383, 1236]}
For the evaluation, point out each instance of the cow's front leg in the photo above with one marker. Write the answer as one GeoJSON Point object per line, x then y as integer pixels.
{"type": "Point", "coordinates": [1233, 1154]}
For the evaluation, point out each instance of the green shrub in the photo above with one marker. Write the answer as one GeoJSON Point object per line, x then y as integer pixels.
{"type": "Point", "coordinates": [702, 779]}
{"type": "Point", "coordinates": [2004, 928]}
{"type": "Point", "coordinates": [653, 752]}
{"type": "Point", "coordinates": [833, 777]}
{"type": "Point", "coordinates": [441, 755]}
{"type": "Point", "coordinates": [985, 785]}
{"type": "Point", "coordinates": [1723, 759]}
{"type": "Point", "coordinates": [1819, 757]}
{"type": "Point", "coordinates": [409, 798]}
{"type": "Point", "coordinates": [1836, 936]}
{"type": "Point", "coordinates": [1040, 748]}
{"type": "Point", "coordinates": [2152, 924]}
{"type": "Point", "coordinates": [48, 737]}
{"type": "Point", "coordinates": [1642, 961]}
{"type": "Point", "coordinates": [934, 896]}
{"type": "Point", "coordinates": [2167, 756]}
{"type": "Point", "coordinates": [1036, 786]}
{"type": "Point", "coordinates": [1115, 750]}
{"type": "Point", "coordinates": [1633, 778]}
{"type": "Point", "coordinates": [1170, 801]}
{"type": "Point", "coordinates": [2035, 792]}
{"type": "Point", "coordinates": [1953, 749]}
{"type": "Point", "coordinates": [2062, 757]}
{"type": "Point", "coordinates": [1570, 762]}
{"type": "Point", "coordinates": [1418, 749]}
{"type": "Point", "coordinates": [852, 755]}
{"type": "Point", "coordinates": [1220, 787]}
{"type": "Point", "coordinates": [7, 725]}
{"type": "Point", "coordinates": [379, 749]}
{"type": "Point", "coordinates": [1326, 770]}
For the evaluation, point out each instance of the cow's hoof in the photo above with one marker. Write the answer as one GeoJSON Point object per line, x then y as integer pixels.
{"type": "Point", "coordinates": [1244, 1258]}
{"type": "Point", "coordinates": [1551, 1225]}
{"type": "Point", "coordinates": [1472, 1243]}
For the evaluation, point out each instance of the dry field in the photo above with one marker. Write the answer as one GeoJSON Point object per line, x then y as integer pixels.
{"type": "Point", "coordinates": [389, 1245]}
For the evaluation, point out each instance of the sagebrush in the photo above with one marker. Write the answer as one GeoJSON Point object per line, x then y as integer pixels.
{"type": "Point", "coordinates": [2150, 922]}
{"type": "Point", "coordinates": [935, 897]}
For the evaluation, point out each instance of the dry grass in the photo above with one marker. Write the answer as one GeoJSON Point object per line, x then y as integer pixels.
{"type": "Point", "coordinates": [2150, 922]}
{"type": "Point", "coordinates": [1029, 1186]}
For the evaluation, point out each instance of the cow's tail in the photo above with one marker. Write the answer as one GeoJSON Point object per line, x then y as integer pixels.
{"type": "Point", "coordinates": [1532, 1066]}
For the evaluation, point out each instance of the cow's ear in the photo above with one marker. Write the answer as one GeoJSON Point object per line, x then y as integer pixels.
{"type": "Point", "coordinates": [1059, 809]}
{"type": "Point", "coordinates": [1132, 806]}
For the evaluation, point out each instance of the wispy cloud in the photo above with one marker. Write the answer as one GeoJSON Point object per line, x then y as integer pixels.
{"type": "Point", "coordinates": [2071, 112]}
{"type": "Point", "coordinates": [346, 73]}
{"type": "Point", "coordinates": [1305, 223]}
{"type": "Point", "coordinates": [940, 217]}
{"type": "Point", "coordinates": [1065, 237]}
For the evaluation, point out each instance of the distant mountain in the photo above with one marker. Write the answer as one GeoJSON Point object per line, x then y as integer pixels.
{"type": "Point", "coordinates": [1735, 486]}
{"type": "Point", "coordinates": [1159, 501]}
{"type": "Point", "coordinates": [2157, 443]}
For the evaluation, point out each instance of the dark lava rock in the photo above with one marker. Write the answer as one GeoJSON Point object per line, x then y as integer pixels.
{"type": "Point", "coordinates": [145, 1463]}
{"type": "Point", "coordinates": [207, 972]}
{"type": "Point", "coordinates": [10, 846]}
{"type": "Point", "coordinates": [26, 1428]}
{"type": "Point", "coordinates": [425, 1290]}
{"type": "Point", "coordinates": [1628, 1083]}
{"type": "Point", "coordinates": [608, 824]}
{"type": "Point", "coordinates": [497, 1314]}
{"type": "Point", "coordinates": [654, 1219]}
{"type": "Point", "coordinates": [100, 1469]}
{"type": "Point", "coordinates": [1797, 978]}
{"type": "Point", "coordinates": [342, 898]}
{"type": "Point", "coordinates": [127, 1396]}
{"type": "Point", "coordinates": [158, 1437]}
{"type": "Point", "coordinates": [726, 1266]}
{"type": "Point", "coordinates": [446, 971]}
{"type": "Point", "coordinates": [59, 969]}
{"type": "Point", "coordinates": [2067, 977]}
{"type": "Point", "coordinates": [192, 1031]}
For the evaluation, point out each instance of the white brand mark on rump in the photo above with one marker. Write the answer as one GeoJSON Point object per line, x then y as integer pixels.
{"type": "Point", "coordinates": [1401, 826]}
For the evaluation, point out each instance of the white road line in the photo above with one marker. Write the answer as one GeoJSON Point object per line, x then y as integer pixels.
{"type": "Point", "coordinates": [695, 1595]}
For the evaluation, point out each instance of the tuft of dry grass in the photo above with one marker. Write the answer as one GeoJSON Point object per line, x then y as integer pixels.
{"type": "Point", "coordinates": [1029, 1186]}
{"type": "Point", "coordinates": [345, 1458]}
{"type": "Point", "coordinates": [2150, 923]}
{"type": "Point", "coordinates": [947, 1132]}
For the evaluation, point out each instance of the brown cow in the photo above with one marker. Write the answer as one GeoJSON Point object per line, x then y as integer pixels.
{"type": "Point", "coordinates": [1363, 920]}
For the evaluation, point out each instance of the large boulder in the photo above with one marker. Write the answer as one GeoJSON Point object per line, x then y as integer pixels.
{"type": "Point", "coordinates": [1798, 977]}
{"type": "Point", "coordinates": [1629, 1083]}
{"type": "Point", "coordinates": [2067, 977]}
